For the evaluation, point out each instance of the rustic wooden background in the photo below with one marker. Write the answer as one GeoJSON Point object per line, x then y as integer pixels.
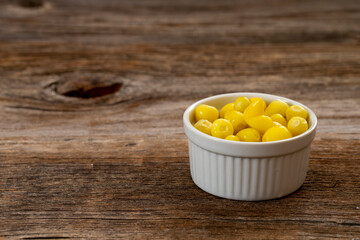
{"type": "Point", "coordinates": [92, 95]}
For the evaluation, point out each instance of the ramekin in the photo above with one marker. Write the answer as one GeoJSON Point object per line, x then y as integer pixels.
{"type": "Point", "coordinates": [250, 171]}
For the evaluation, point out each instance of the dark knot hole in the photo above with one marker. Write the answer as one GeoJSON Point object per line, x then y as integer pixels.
{"type": "Point", "coordinates": [31, 3]}
{"type": "Point", "coordinates": [92, 91]}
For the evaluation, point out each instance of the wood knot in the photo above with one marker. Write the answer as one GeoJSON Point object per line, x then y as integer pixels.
{"type": "Point", "coordinates": [90, 91]}
{"type": "Point", "coordinates": [85, 89]}
{"type": "Point", "coordinates": [31, 3]}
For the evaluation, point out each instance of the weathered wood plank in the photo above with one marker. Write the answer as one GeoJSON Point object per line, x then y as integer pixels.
{"type": "Point", "coordinates": [117, 165]}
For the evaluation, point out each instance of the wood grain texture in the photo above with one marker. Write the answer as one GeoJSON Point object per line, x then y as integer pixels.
{"type": "Point", "coordinates": [92, 95]}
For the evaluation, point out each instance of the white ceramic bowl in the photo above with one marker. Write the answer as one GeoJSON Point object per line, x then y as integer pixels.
{"type": "Point", "coordinates": [249, 171]}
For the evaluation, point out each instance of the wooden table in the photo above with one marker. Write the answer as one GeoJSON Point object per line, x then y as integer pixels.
{"type": "Point", "coordinates": [92, 95]}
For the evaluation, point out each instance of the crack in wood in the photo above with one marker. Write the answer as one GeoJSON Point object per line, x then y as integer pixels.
{"type": "Point", "coordinates": [42, 109]}
{"type": "Point", "coordinates": [52, 237]}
